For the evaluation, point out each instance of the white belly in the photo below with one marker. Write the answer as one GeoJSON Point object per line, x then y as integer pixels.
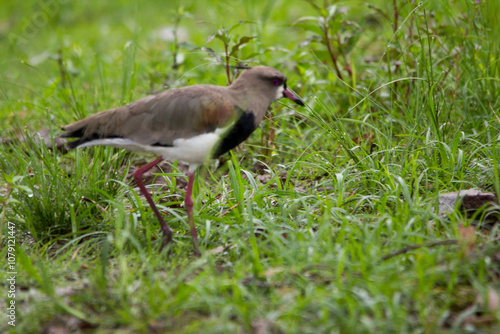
{"type": "Point", "coordinates": [194, 150]}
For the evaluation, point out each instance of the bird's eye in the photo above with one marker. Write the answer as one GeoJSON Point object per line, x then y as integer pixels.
{"type": "Point", "coordinates": [277, 82]}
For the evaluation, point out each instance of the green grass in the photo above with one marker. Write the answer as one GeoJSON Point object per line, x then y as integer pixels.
{"type": "Point", "coordinates": [325, 221]}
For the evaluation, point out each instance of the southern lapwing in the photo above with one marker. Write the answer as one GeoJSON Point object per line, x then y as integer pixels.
{"type": "Point", "coordinates": [190, 124]}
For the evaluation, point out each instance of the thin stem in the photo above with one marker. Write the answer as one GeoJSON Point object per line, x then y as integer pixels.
{"type": "Point", "coordinates": [4, 204]}
{"type": "Point", "coordinates": [427, 245]}
{"type": "Point", "coordinates": [227, 65]}
{"type": "Point", "coordinates": [396, 15]}
{"type": "Point", "coordinates": [329, 47]}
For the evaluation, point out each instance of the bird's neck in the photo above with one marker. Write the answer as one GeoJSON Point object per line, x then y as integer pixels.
{"type": "Point", "coordinates": [251, 100]}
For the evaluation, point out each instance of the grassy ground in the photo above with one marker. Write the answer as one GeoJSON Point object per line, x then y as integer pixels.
{"type": "Point", "coordinates": [325, 221]}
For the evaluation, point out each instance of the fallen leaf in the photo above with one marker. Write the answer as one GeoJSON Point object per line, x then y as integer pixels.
{"type": "Point", "coordinates": [493, 301]}
{"type": "Point", "coordinates": [264, 326]}
{"type": "Point", "coordinates": [467, 238]}
{"type": "Point", "coordinates": [215, 250]}
{"type": "Point", "coordinates": [272, 271]}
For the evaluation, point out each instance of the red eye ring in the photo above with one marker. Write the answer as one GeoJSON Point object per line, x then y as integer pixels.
{"type": "Point", "coordinates": [277, 82]}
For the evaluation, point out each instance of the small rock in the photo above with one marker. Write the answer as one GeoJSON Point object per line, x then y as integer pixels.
{"type": "Point", "coordinates": [468, 202]}
{"type": "Point", "coordinates": [471, 199]}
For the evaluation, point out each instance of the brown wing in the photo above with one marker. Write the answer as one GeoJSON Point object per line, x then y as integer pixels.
{"type": "Point", "coordinates": [160, 119]}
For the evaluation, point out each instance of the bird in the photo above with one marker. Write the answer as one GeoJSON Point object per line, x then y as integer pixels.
{"type": "Point", "coordinates": [191, 124]}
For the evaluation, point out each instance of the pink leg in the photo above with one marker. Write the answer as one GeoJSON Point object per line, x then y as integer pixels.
{"type": "Point", "coordinates": [167, 232]}
{"type": "Point", "coordinates": [189, 208]}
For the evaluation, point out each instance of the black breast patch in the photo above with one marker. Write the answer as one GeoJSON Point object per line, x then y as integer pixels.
{"type": "Point", "coordinates": [241, 130]}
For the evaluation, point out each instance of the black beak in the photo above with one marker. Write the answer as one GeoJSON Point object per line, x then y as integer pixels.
{"type": "Point", "coordinates": [291, 96]}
